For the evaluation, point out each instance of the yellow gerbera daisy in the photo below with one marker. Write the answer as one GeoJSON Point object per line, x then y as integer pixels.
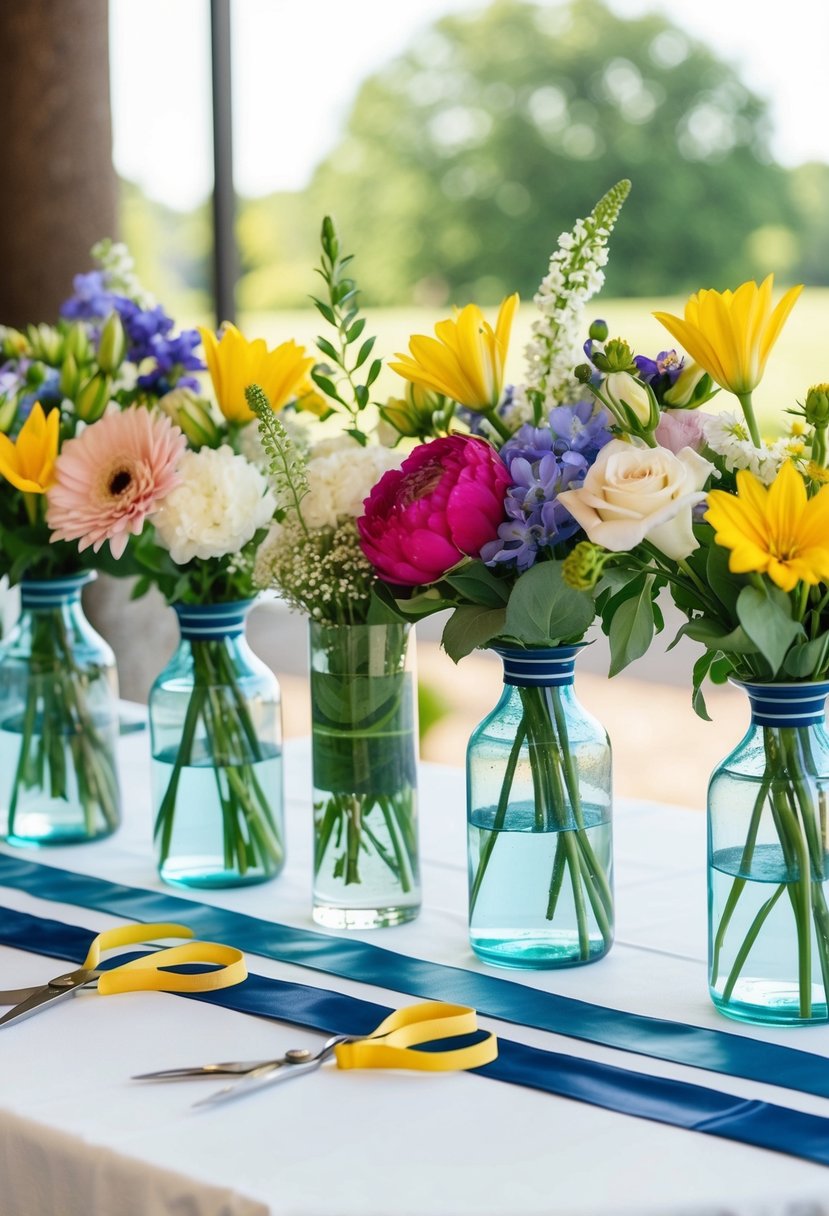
{"type": "Point", "coordinates": [778, 531]}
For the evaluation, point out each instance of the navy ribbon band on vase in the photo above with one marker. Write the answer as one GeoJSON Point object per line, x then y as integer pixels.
{"type": "Point", "coordinates": [553, 667]}
{"type": "Point", "coordinates": [695, 1046]}
{"type": "Point", "coordinates": [660, 1099]}
{"type": "Point", "coordinates": [784, 705]}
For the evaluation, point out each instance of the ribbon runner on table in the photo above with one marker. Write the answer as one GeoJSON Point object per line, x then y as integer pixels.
{"type": "Point", "coordinates": [715, 1050]}
{"type": "Point", "coordinates": [660, 1099]}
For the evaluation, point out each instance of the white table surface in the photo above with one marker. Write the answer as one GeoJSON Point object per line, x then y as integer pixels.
{"type": "Point", "coordinates": [76, 1137]}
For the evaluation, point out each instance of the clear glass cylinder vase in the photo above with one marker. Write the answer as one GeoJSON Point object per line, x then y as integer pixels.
{"type": "Point", "coordinates": [364, 733]}
{"type": "Point", "coordinates": [58, 721]}
{"type": "Point", "coordinates": [539, 820]}
{"type": "Point", "coordinates": [216, 733]}
{"type": "Point", "coordinates": [768, 916]}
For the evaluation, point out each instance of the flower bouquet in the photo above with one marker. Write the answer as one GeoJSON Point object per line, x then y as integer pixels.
{"type": "Point", "coordinates": [474, 521]}
{"type": "Point", "coordinates": [363, 708]}
{"type": "Point", "coordinates": [59, 688]}
{"type": "Point", "coordinates": [746, 558]}
{"type": "Point", "coordinates": [154, 476]}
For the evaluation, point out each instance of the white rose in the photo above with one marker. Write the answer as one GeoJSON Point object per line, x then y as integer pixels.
{"type": "Point", "coordinates": [632, 492]}
{"type": "Point", "coordinates": [623, 389]}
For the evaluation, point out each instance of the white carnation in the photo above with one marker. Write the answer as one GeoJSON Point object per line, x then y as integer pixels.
{"type": "Point", "coordinates": [221, 502]}
{"type": "Point", "coordinates": [342, 478]}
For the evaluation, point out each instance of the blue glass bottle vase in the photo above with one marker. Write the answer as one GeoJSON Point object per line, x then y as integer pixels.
{"type": "Point", "coordinates": [216, 733]}
{"type": "Point", "coordinates": [364, 735]}
{"type": "Point", "coordinates": [58, 721]}
{"type": "Point", "coordinates": [539, 820]}
{"type": "Point", "coordinates": [768, 909]}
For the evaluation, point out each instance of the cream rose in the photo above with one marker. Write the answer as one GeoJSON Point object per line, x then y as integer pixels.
{"type": "Point", "coordinates": [622, 389]}
{"type": "Point", "coordinates": [633, 492]}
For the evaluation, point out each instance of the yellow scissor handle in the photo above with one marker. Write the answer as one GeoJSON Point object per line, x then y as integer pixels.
{"type": "Point", "coordinates": [389, 1046]}
{"type": "Point", "coordinates": [145, 972]}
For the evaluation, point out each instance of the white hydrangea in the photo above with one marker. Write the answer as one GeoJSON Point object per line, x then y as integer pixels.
{"type": "Point", "coordinates": [221, 502]}
{"type": "Point", "coordinates": [341, 474]}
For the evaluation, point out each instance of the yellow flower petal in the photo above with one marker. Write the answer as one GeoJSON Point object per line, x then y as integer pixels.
{"type": "Point", "coordinates": [29, 464]}
{"type": "Point", "coordinates": [235, 363]}
{"type": "Point", "coordinates": [731, 334]}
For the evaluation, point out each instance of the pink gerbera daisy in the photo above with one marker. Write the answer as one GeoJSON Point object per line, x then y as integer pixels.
{"type": "Point", "coordinates": [112, 476]}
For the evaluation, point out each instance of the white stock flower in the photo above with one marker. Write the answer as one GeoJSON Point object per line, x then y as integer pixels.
{"type": "Point", "coordinates": [341, 476]}
{"type": "Point", "coordinates": [221, 502]}
{"type": "Point", "coordinates": [632, 493]}
{"type": "Point", "coordinates": [727, 435]}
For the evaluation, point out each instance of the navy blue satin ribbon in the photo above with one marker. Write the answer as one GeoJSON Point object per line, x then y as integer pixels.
{"type": "Point", "coordinates": [659, 1099]}
{"type": "Point", "coordinates": [714, 1050]}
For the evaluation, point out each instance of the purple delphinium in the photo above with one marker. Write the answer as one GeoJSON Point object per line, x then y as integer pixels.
{"type": "Point", "coordinates": [148, 331]}
{"type": "Point", "coordinates": [542, 462]}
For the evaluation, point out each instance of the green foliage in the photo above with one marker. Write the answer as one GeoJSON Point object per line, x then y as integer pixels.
{"type": "Point", "coordinates": [341, 311]}
{"type": "Point", "coordinates": [544, 611]}
{"type": "Point", "coordinates": [766, 616]}
{"type": "Point", "coordinates": [288, 474]}
{"type": "Point", "coordinates": [632, 624]}
{"type": "Point", "coordinates": [470, 627]}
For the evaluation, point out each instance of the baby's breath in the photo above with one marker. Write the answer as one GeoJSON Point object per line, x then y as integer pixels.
{"type": "Point", "coordinates": [322, 571]}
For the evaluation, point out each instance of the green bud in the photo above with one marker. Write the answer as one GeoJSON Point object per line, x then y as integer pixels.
{"type": "Point", "coordinates": [46, 343]}
{"type": "Point", "coordinates": [817, 405]}
{"type": "Point", "coordinates": [583, 568]}
{"type": "Point", "coordinates": [690, 389]}
{"type": "Point", "coordinates": [76, 343]}
{"type": "Point", "coordinates": [13, 344]}
{"type": "Point", "coordinates": [112, 344]}
{"type": "Point", "coordinates": [616, 357]}
{"type": "Point", "coordinates": [193, 414]}
{"type": "Point", "coordinates": [583, 373]}
{"type": "Point", "coordinates": [413, 416]}
{"type": "Point", "coordinates": [93, 398]}
{"type": "Point", "coordinates": [69, 377]}
{"type": "Point", "coordinates": [598, 331]}
{"type": "Point", "coordinates": [8, 413]}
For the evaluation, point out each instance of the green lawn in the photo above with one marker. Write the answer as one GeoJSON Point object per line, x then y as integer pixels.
{"type": "Point", "coordinates": [800, 358]}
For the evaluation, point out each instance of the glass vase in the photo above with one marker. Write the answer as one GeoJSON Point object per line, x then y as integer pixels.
{"type": "Point", "coordinates": [767, 865]}
{"type": "Point", "coordinates": [59, 721]}
{"type": "Point", "coordinates": [539, 820]}
{"type": "Point", "coordinates": [364, 733]}
{"type": "Point", "coordinates": [216, 734]}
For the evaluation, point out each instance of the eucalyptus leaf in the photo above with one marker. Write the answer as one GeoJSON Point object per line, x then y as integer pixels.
{"type": "Point", "coordinates": [766, 618]}
{"type": "Point", "coordinates": [471, 626]}
{"type": "Point", "coordinates": [631, 628]}
{"type": "Point", "coordinates": [544, 611]}
{"type": "Point", "coordinates": [713, 638]}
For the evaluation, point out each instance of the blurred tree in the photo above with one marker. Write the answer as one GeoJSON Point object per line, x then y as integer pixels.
{"type": "Point", "coordinates": [463, 159]}
{"type": "Point", "coordinates": [59, 196]}
{"type": "Point", "coordinates": [809, 186]}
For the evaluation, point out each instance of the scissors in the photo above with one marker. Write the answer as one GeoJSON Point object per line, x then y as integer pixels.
{"type": "Point", "coordinates": [389, 1046]}
{"type": "Point", "coordinates": [145, 973]}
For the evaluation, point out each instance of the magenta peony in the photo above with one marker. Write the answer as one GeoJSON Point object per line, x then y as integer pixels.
{"type": "Point", "coordinates": [444, 503]}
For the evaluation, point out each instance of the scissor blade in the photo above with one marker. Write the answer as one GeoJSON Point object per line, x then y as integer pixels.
{"type": "Point", "coordinates": [233, 1068]}
{"type": "Point", "coordinates": [13, 996]}
{"type": "Point", "coordinates": [47, 994]}
{"type": "Point", "coordinates": [254, 1081]}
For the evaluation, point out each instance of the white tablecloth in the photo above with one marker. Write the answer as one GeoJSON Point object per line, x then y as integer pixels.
{"type": "Point", "coordinates": [77, 1137]}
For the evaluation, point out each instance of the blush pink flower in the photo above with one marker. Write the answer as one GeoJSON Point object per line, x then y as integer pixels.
{"type": "Point", "coordinates": [112, 476]}
{"type": "Point", "coordinates": [444, 503]}
{"type": "Point", "coordinates": [680, 429]}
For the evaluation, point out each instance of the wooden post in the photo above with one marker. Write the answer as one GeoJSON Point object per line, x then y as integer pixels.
{"type": "Point", "coordinates": [59, 187]}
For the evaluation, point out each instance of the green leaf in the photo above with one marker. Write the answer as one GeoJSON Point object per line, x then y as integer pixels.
{"type": "Point", "coordinates": [361, 395]}
{"type": "Point", "coordinates": [326, 310]}
{"type": "Point", "coordinates": [631, 628]}
{"type": "Point", "coordinates": [477, 583]}
{"type": "Point", "coordinates": [355, 330]}
{"type": "Point", "coordinates": [374, 372]}
{"type": "Point", "coordinates": [327, 386]}
{"type": "Point", "coordinates": [719, 577]}
{"type": "Point", "coordinates": [766, 617]}
{"type": "Point", "coordinates": [356, 433]}
{"type": "Point", "coordinates": [713, 638]}
{"type": "Point", "coordinates": [469, 627]}
{"type": "Point", "coordinates": [382, 608]}
{"type": "Point", "coordinates": [365, 351]}
{"type": "Point", "coordinates": [701, 667]}
{"type": "Point", "coordinates": [328, 349]}
{"type": "Point", "coordinates": [807, 660]}
{"type": "Point", "coordinates": [544, 611]}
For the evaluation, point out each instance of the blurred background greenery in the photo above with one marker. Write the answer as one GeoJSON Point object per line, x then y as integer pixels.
{"type": "Point", "coordinates": [461, 159]}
